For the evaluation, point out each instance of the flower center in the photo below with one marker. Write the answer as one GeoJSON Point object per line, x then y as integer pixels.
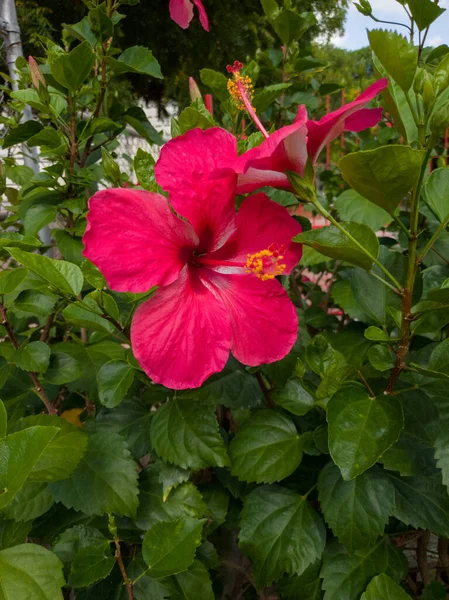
{"type": "Point", "coordinates": [266, 264]}
{"type": "Point", "coordinates": [241, 90]}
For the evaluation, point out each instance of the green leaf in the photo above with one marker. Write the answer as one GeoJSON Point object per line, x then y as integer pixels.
{"type": "Point", "coordinates": [73, 539]}
{"type": "Point", "coordinates": [351, 206]}
{"type": "Point", "coordinates": [291, 26]}
{"type": "Point", "coordinates": [63, 275]}
{"type": "Point", "coordinates": [114, 380]}
{"type": "Point", "coordinates": [16, 240]}
{"type": "Point", "coordinates": [136, 59]}
{"type": "Point", "coordinates": [31, 502]}
{"type": "Point", "coordinates": [270, 8]}
{"type": "Point", "coordinates": [37, 217]}
{"type": "Point", "coordinates": [358, 510]}
{"type": "Point", "coordinates": [422, 502]}
{"type": "Point", "coordinates": [399, 58]}
{"type": "Point", "coordinates": [264, 98]}
{"type": "Point", "coordinates": [372, 296]}
{"type": "Point", "coordinates": [3, 420]}
{"type": "Point", "coordinates": [192, 584]}
{"type": "Point", "coordinates": [195, 116]}
{"type": "Point", "coordinates": [62, 455]}
{"type": "Point", "coordinates": [266, 448]}
{"type": "Point", "coordinates": [92, 275]}
{"type": "Point", "coordinates": [136, 117]}
{"type": "Point", "coordinates": [322, 358]}
{"type": "Point", "coordinates": [331, 242]}
{"type": "Point", "coordinates": [63, 367]}
{"type": "Point", "coordinates": [33, 357]}
{"type": "Point", "coordinates": [437, 193]}
{"type": "Point", "coordinates": [384, 587]}
{"type": "Point", "coordinates": [78, 314]}
{"type": "Point", "coordinates": [131, 419]}
{"type": "Point", "coordinates": [91, 564]}
{"type": "Point", "coordinates": [294, 398]}
{"type": "Point", "coordinates": [280, 532]}
{"type": "Point", "coordinates": [184, 501]}
{"type": "Point", "coordinates": [347, 575]}
{"type": "Point", "coordinates": [30, 571]}
{"type": "Point", "coordinates": [384, 175]}
{"type": "Point", "coordinates": [106, 475]}
{"type": "Point", "coordinates": [47, 137]}
{"type": "Point", "coordinates": [185, 432]}
{"type": "Point", "coordinates": [10, 280]}
{"type": "Point", "coordinates": [71, 69]}
{"type": "Point", "coordinates": [111, 168]}
{"type": "Point", "coordinates": [217, 501]}
{"type": "Point", "coordinates": [306, 586]}
{"type": "Point", "coordinates": [35, 302]}
{"type": "Point", "coordinates": [169, 546]}
{"type": "Point", "coordinates": [21, 133]}
{"type": "Point", "coordinates": [235, 389]}
{"type": "Point", "coordinates": [424, 12]}
{"type": "Point", "coordinates": [20, 452]}
{"type": "Point", "coordinates": [12, 533]}
{"type": "Point", "coordinates": [217, 82]}
{"type": "Point", "coordinates": [375, 334]}
{"type": "Point", "coordinates": [361, 429]}
{"type": "Point", "coordinates": [381, 357]}
{"type": "Point", "coordinates": [144, 169]}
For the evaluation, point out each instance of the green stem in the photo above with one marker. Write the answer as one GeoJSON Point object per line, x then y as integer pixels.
{"type": "Point", "coordinates": [412, 109]}
{"type": "Point", "coordinates": [307, 494]}
{"type": "Point", "coordinates": [433, 239]}
{"type": "Point", "coordinates": [384, 282]}
{"type": "Point", "coordinates": [320, 208]}
{"type": "Point", "coordinates": [398, 222]}
{"type": "Point", "coordinates": [412, 268]}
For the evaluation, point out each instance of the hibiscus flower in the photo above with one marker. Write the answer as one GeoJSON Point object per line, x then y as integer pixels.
{"type": "Point", "coordinates": [291, 147]}
{"type": "Point", "coordinates": [181, 12]}
{"type": "Point", "coordinates": [216, 269]}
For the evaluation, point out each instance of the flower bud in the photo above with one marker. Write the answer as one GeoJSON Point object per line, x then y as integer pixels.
{"type": "Point", "coordinates": [439, 121]}
{"type": "Point", "coordinates": [441, 76]}
{"type": "Point", "coordinates": [36, 76]}
{"type": "Point", "coordinates": [194, 90]}
{"type": "Point", "coordinates": [364, 7]}
{"type": "Point", "coordinates": [418, 83]}
{"type": "Point", "coordinates": [428, 93]}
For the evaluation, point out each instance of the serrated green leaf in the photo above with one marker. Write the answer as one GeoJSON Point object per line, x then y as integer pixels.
{"type": "Point", "coordinates": [20, 452]}
{"type": "Point", "coordinates": [236, 389]}
{"type": "Point", "coordinates": [13, 533]}
{"type": "Point", "coordinates": [303, 587]}
{"type": "Point", "coordinates": [73, 539]}
{"type": "Point", "coordinates": [63, 368]}
{"type": "Point", "coordinates": [266, 448]}
{"type": "Point", "coordinates": [322, 358]}
{"type": "Point", "coordinates": [351, 206]}
{"type": "Point", "coordinates": [217, 82]}
{"type": "Point", "coordinates": [422, 502]}
{"type": "Point", "coordinates": [106, 475]}
{"type": "Point", "coordinates": [184, 501]}
{"type": "Point", "coordinates": [78, 314]}
{"type": "Point", "coordinates": [169, 546]}
{"type": "Point", "coordinates": [35, 357]}
{"type": "Point", "coordinates": [424, 12]}
{"type": "Point", "coordinates": [192, 584]}
{"type": "Point", "coordinates": [358, 510]}
{"type": "Point", "coordinates": [384, 587]}
{"type": "Point", "coordinates": [10, 280]}
{"type": "Point", "coordinates": [437, 193]}
{"type": "Point", "coordinates": [347, 575]}
{"type": "Point", "coordinates": [31, 502]}
{"type": "Point", "coordinates": [91, 564]}
{"type": "Point", "coordinates": [294, 398]}
{"type": "Point", "coordinates": [63, 275]}
{"type": "Point", "coordinates": [21, 133]}
{"type": "Point", "coordinates": [185, 432]}
{"type": "Point", "coordinates": [398, 57]}
{"type": "Point", "coordinates": [9, 239]}
{"type": "Point", "coordinates": [71, 69]}
{"type": "Point", "coordinates": [30, 571]}
{"type": "Point", "coordinates": [361, 429]}
{"type": "Point", "coordinates": [331, 242]}
{"type": "Point", "coordinates": [62, 455]}
{"type": "Point", "coordinates": [35, 302]}
{"type": "Point", "coordinates": [37, 217]}
{"type": "Point", "coordinates": [114, 380]}
{"type": "Point", "coordinates": [264, 98]}
{"type": "Point", "coordinates": [136, 59]}
{"type": "Point", "coordinates": [144, 169]}
{"type": "Point", "coordinates": [385, 175]}
{"type": "Point", "coordinates": [280, 533]}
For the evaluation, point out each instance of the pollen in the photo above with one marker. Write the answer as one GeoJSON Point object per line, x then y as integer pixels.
{"type": "Point", "coordinates": [266, 264]}
{"type": "Point", "coordinates": [240, 87]}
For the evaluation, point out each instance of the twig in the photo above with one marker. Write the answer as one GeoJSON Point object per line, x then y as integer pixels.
{"type": "Point", "coordinates": [443, 546]}
{"type": "Point", "coordinates": [269, 402]}
{"type": "Point", "coordinates": [45, 333]}
{"type": "Point", "coordinates": [118, 555]}
{"type": "Point", "coordinates": [33, 376]}
{"type": "Point", "coordinates": [421, 557]}
{"type": "Point", "coordinates": [373, 395]}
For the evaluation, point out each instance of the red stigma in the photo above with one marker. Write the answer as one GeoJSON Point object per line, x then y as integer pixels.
{"type": "Point", "coordinates": [235, 68]}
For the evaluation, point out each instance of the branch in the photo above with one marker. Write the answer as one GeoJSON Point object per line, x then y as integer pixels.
{"type": "Point", "coordinates": [33, 376]}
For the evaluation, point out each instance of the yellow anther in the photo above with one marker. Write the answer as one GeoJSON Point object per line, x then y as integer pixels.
{"type": "Point", "coordinates": [266, 264]}
{"type": "Point", "coordinates": [240, 87]}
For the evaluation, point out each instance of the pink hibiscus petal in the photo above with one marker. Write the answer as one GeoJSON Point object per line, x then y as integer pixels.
{"type": "Point", "coordinates": [202, 13]}
{"type": "Point", "coordinates": [181, 12]}
{"type": "Point", "coordinates": [285, 149]}
{"type": "Point", "coordinates": [332, 125]}
{"type": "Point", "coordinates": [363, 119]}
{"type": "Point", "coordinates": [182, 334]}
{"type": "Point", "coordinates": [262, 223]}
{"type": "Point", "coordinates": [187, 170]}
{"type": "Point", "coordinates": [135, 240]}
{"type": "Point", "coordinates": [264, 324]}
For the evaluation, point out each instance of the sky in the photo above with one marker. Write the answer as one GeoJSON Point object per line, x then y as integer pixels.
{"type": "Point", "coordinates": [388, 10]}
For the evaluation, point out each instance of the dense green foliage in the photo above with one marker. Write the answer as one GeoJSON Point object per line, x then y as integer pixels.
{"type": "Point", "coordinates": [304, 479]}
